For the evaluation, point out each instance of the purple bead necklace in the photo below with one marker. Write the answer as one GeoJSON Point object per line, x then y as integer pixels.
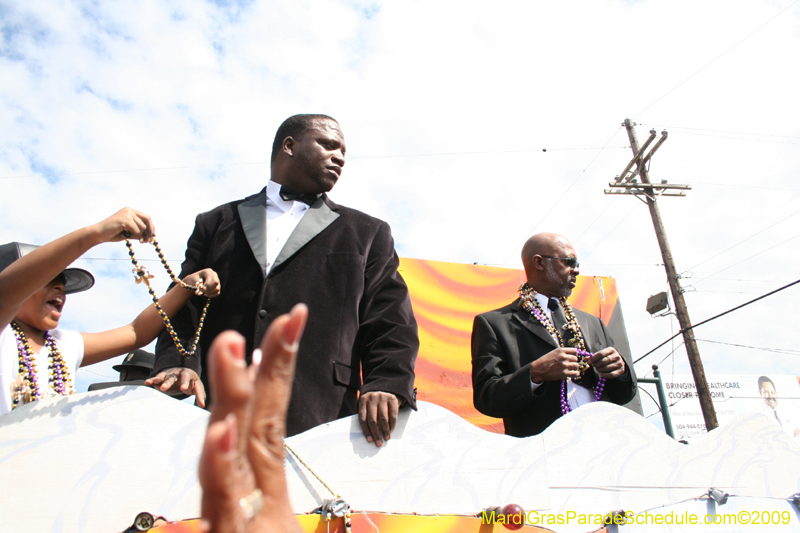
{"type": "Point", "coordinates": [58, 372]}
{"type": "Point", "coordinates": [529, 303]}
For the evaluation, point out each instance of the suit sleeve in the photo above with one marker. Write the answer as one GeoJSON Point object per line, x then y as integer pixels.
{"type": "Point", "coordinates": [619, 390]}
{"type": "Point", "coordinates": [387, 334]}
{"type": "Point", "coordinates": [498, 389]}
{"type": "Point", "coordinates": [185, 321]}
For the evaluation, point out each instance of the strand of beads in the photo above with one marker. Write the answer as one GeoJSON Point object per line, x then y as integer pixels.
{"type": "Point", "coordinates": [198, 289]}
{"type": "Point", "coordinates": [529, 303]}
{"type": "Point", "coordinates": [143, 276]}
{"type": "Point", "coordinates": [598, 389]}
{"type": "Point", "coordinates": [60, 380]}
{"type": "Point", "coordinates": [572, 325]}
{"type": "Point", "coordinates": [27, 365]}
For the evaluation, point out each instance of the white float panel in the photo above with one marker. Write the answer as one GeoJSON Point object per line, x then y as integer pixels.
{"type": "Point", "coordinates": [91, 462]}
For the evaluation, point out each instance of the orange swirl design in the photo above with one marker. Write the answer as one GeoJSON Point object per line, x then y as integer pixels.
{"type": "Point", "coordinates": [446, 297]}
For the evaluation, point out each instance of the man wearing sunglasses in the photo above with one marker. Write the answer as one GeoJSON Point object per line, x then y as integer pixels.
{"type": "Point", "coordinates": [538, 358]}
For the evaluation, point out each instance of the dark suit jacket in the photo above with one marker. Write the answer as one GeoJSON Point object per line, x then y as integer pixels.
{"type": "Point", "coordinates": [504, 344]}
{"type": "Point", "coordinates": [338, 261]}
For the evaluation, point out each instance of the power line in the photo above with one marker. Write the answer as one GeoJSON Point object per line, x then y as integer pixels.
{"type": "Point", "coordinates": [660, 265]}
{"type": "Point", "coordinates": [737, 138]}
{"type": "Point", "coordinates": [744, 240]}
{"type": "Point", "coordinates": [724, 292]}
{"type": "Point", "coordinates": [750, 280]}
{"type": "Point", "coordinates": [718, 316]}
{"type": "Point", "coordinates": [743, 186]}
{"type": "Point", "coordinates": [129, 170]}
{"type": "Point", "coordinates": [774, 350]}
{"type": "Point", "coordinates": [682, 128]}
{"type": "Point", "coordinates": [651, 397]}
{"type": "Point", "coordinates": [436, 154]}
{"type": "Point", "coordinates": [350, 158]}
{"type": "Point", "coordinates": [592, 223]}
{"type": "Point", "coordinates": [746, 259]}
{"type": "Point", "coordinates": [562, 195]}
{"type": "Point", "coordinates": [715, 59]}
{"type": "Point", "coordinates": [678, 347]}
{"type": "Point", "coordinates": [635, 206]}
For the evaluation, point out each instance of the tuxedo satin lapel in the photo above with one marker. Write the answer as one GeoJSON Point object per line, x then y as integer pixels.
{"type": "Point", "coordinates": [253, 214]}
{"type": "Point", "coordinates": [533, 325]}
{"type": "Point", "coordinates": [318, 217]}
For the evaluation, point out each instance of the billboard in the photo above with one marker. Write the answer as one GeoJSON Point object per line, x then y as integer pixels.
{"type": "Point", "coordinates": [447, 296]}
{"type": "Point", "coordinates": [774, 395]}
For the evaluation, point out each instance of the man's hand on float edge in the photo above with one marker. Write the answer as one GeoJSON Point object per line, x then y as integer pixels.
{"type": "Point", "coordinates": [176, 380]}
{"type": "Point", "coordinates": [377, 413]}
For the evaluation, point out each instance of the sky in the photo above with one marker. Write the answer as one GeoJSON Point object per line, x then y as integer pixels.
{"type": "Point", "coordinates": [470, 126]}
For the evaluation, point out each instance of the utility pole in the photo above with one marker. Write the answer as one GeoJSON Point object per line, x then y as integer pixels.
{"type": "Point", "coordinates": [646, 191]}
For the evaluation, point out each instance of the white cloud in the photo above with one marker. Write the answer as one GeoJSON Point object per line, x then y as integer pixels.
{"type": "Point", "coordinates": [171, 108]}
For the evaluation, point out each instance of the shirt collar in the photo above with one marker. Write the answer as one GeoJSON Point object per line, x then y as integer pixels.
{"type": "Point", "coordinates": [274, 197]}
{"type": "Point", "coordinates": [543, 301]}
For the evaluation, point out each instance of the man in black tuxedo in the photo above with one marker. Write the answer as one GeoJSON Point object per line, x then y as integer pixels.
{"type": "Point", "coordinates": [524, 353]}
{"type": "Point", "coordinates": [338, 261]}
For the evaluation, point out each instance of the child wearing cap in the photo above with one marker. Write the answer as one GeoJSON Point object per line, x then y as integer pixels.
{"type": "Point", "coordinates": [36, 359]}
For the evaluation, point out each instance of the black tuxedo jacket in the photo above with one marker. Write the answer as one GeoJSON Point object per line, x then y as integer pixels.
{"type": "Point", "coordinates": [504, 344]}
{"type": "Point", "coordinates": [341, 263]}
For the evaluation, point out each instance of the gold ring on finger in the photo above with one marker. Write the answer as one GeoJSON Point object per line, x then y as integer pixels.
{"type": "Point", "coordinates": [251, 504]}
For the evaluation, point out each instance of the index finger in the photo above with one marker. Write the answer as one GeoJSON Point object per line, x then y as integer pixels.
{"type": "Point", "coordinates": [158, 379]}
{"type": "Point", "coordinates": [605, 352]}
{"type": "Point", "coordinates": [271, 403]}
{"type": "Point", "coordinates": [393, 405]}
{"type": "Point", "coordinates": [372, 406]}
{"type": "Point", "coordinates": [362, 419]}
{"type": "Point", "coordinates": [146, 227]}
{"type": "Point", "coordinates": [199, 393]}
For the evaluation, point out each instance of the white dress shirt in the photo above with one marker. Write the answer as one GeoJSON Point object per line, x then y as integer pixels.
{"type": "Point", "coordinates": [282, 218]}
{"type": "Point", "coordinates": [576, 395]}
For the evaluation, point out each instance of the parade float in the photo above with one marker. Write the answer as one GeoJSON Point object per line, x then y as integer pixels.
{"type": "Point", "coordinates": [113, 460]}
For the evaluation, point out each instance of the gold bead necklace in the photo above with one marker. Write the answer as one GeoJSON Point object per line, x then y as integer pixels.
{"type": "Point", "coordinates": [143, 276]}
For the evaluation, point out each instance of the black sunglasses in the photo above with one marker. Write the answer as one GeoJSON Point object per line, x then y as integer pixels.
{"type": "Point", "coordinates": [571, 262]}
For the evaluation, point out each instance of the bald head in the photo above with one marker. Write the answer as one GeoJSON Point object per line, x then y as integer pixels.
{"type": "Point", "coordinates": [545, 257]}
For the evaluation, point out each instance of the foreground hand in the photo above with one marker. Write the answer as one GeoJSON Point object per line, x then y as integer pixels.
{"type": "Point", "coordinates": [209, 279]}
{"type": "Point", "coordinates": [608, 363]}
{"type": "Point", "coordinates": [243, 451]}
{"type": "Point", "coordinates": [175, 380]}
{"type": "Point", "coordinates": [126, 221]}
{"type": "Point", "coordinates": [561, 363]}
{"type": "Point", "coordinates": [377, 413]}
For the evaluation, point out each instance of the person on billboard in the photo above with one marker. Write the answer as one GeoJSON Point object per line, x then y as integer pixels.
{"type": "Point", "coordinates": [774, 412]}
{"type": "Point", "coordinates": [288, 244]}
{"type": "Point", "coordinates": [537, 358]}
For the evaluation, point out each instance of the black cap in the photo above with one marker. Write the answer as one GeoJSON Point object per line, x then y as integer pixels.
{"type": "Point", "coordinates": [77, 279]}
{"type": "Point", "coordinates": [136, 359]}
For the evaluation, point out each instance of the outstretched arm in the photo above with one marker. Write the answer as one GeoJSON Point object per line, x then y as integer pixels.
{"type": "Point", "coordinates": [241, 467]}
{"type": "Point", "coordinates": [33, 271]}
{"type": "Point", "coordinates": [146, 327]}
